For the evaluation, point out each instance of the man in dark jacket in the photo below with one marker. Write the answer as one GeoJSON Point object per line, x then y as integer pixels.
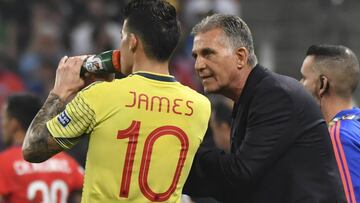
{"type": "Point", "coordinates": [281, 149]}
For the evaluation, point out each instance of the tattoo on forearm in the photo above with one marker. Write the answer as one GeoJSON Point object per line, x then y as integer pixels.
{"type": "Point", "coordinates": [39, 145]}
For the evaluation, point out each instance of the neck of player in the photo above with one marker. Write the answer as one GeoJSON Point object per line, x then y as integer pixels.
{"type": "Point", "coordinates": [143, 63]}
{"type": "Point", "coordinates": [332, 106]}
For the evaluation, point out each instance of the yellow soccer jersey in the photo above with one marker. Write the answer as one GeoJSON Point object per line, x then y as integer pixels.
{"type": "Point", "coordinates": [144, 131]}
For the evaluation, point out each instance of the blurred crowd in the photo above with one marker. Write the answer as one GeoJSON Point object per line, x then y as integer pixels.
{"type": "Point", "coordinates": [35, 34]}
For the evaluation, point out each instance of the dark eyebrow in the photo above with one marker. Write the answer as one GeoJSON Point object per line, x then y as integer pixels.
{"type": "Point", "coordinates": [203, 52]}
{"type": "Point", "coordinates": [207, 51]}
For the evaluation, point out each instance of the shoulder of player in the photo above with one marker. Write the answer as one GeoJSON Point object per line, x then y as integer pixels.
{"type": "Point", "coordinates": [199, 100]}
{"type": "Point", "coordinates": [10, 153]}
{"type": "Point", "coordinates": [194, 94]}
{"type": "Point", "coordinates": [11, 150]}
{"type": "Point", "coordinates": [95, 85]}
{"type": "Point", "coordinates": [349, 126]}
{"type": "Point", "coordinates": [92, 85]}
{"type": "Point", "coordinates": [102, 85]}
{"type": "Point", "coordinates": [348, 133]}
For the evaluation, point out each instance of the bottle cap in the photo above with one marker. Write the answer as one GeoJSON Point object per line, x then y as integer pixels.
{"type": "Point", "coordinates": [116, 60]}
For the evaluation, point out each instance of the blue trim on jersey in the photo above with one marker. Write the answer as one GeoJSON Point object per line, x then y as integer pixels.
{"type": "Point", "coordinates": [350, 141]}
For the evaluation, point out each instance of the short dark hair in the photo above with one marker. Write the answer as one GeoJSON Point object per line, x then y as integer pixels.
{"type": "Point", "coordinates": [327, 51]}
{"type": "Point", "coordinates": [156, 24]}
{"type": "Point", "coordinates": [23, 107]}
{"type": "Point", "coordinates": [338, 63]}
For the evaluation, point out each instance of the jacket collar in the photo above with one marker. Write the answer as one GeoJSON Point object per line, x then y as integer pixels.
{"type": "Point", "coordinates": [255, 76]}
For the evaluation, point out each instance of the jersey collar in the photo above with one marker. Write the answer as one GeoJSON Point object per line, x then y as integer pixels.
{"type": "Point", "coordinates": [347, 114]}
{"type": "Point", "coordinates": [153, 76]}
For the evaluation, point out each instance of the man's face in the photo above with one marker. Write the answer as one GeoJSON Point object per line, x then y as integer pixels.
{"type": "Point", "coordinates": [310, 77]}
{"type": "Point", "coordinates": [215, 60]}
{"type": "Point", "coordinates": [126, 57]}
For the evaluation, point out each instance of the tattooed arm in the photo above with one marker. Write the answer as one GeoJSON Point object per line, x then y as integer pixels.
{"type": "Point", "coordinates": [39, 145]}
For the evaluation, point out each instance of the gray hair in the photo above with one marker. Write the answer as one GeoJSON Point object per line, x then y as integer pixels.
{"type": "Point", "coordinates": [236, 30]}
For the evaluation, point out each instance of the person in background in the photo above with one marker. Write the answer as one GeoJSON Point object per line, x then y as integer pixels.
{"type": "Point", "coordinates": [331, 74]}
{"type": "Point", "coordinates": [60, 179]}
{"type": "Point", "coordinates": [220, 123]}
{"type": "Point", "coordinates": [280, 146]}
{"type": "Point", "coordinates": [10, 83]}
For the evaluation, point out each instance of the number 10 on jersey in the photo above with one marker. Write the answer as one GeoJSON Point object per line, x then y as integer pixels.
{"type": "Point", "coordinates": [132, 133]}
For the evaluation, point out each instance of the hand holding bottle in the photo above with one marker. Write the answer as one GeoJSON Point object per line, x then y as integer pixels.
{"type": "Point", "coordinates": [76, 72]}
{"type": "Point", "coordinates": [68, 81]}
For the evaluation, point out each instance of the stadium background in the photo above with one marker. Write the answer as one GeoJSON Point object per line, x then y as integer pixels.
{"type": "Point", "coordinates": [35, 34]}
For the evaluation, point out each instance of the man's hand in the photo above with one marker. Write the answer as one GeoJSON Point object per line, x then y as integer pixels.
{"type": "Point", "coordinates": [68, 81]}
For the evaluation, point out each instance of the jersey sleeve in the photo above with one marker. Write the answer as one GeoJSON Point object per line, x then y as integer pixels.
{"type": "Point", "coordinates": [76, 120]}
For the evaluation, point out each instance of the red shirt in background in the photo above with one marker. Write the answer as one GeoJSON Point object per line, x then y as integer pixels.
{"type": "Point", "coordinates": [51, 181]}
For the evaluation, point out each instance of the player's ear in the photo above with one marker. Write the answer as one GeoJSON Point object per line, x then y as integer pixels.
{"type": "Point", "coordinates": [134, 41]}
{"type": "Point", "coordinates": [324, 85]}
{"type": "Point", "coordinates": [242, 55]}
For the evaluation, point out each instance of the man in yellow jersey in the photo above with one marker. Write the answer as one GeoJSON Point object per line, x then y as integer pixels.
{"type": "Point", "coordinates": [144, 129]}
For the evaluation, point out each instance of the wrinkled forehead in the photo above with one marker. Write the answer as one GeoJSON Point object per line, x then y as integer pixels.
{"type": "Point", "coordinates": [209, 39]}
